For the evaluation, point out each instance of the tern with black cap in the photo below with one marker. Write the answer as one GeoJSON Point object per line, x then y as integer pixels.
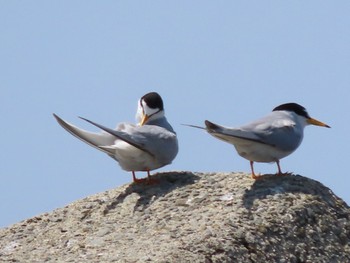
{"type": "Point", "coordinates": [144, 147]}
{"type": "Point", "coordinates": [268, 139]}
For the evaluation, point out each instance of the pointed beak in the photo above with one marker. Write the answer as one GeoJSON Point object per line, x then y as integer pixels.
{"type": "Point", "coordinates": [317, 123]}
{"type": "Point", "coordinates": [144, 119]}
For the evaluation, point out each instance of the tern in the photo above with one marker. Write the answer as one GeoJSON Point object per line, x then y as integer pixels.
{"type": "Point", "coordinates": [268, 139]}
{"type": "Point", "coordinates": [146, 146]}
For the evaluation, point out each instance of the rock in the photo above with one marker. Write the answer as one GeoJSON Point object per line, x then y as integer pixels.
{"type": "Point", "coordinates": [191, 217]}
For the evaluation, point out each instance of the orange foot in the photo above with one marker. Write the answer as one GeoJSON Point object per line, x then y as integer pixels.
{"type": "Point", "coordinates": [283, 174]}
{"type": "Point", "coordinates": [147, 180]}
{"type": "Point", "coordinates": [256, 177]}
{"type": "Point", "coordinates": [140, 181]}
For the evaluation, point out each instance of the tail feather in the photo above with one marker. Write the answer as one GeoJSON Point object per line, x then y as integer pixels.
{"type": "Point", "coordinates": [194, 126]}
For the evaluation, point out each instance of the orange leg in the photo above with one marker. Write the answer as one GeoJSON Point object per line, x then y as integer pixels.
{"type": "Point", "coordinates": [279, 168]}
{"type": "Point", "coordinates": [151, 180]}
{"type": "Point", "coordinates": [252, 168]}
{"type": "Point", "coordinates": [147, 180]}
{"type": "Point", "coordinates": [134, 179]}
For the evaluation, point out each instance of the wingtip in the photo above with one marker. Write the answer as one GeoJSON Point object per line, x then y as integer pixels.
{"type": "Point", "coordinates": [58, 119]}
{"type": "Point", "coordinates": [210, 125]}
{"type": "Point", "coordinates": [91, 122]}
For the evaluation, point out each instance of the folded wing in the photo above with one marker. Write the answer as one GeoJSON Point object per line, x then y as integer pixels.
{"type": "Point", "coordinates": [122, 136]}
{"type": "Point", "coordinates": [232, 135]}
{"type": "Point", "coordinates": [96, 140]}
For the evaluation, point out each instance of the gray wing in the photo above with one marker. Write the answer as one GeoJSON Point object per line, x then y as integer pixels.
{"type": "Point", "coordinates": [283, 134]}
{"type": "Point", "coordinates": [126, 137]}
{"type": "Point", "coordinates": [158, 140]}
{"type": "Point", "coordinates": [95, 140]}
{"type": "Point", "coordinates": [270, 130]}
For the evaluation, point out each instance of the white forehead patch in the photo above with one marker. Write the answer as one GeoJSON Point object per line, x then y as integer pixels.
{"type": "Point", "coordinates": [147, 110]}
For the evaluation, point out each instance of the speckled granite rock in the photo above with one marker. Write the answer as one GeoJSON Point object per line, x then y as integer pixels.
{"type": "Point", "coordinates": [190, 217]}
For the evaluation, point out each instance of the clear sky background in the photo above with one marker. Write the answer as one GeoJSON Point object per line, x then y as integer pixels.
{"type": "Point", "coordinates": [227, 61]}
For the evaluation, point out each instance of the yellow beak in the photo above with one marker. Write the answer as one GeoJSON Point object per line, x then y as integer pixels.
{"type": "Point", "coordinates": [317, 123]}
{"type": "Point", "coordinates": [144, 119]}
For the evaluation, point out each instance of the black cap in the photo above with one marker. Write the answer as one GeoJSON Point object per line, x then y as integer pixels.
{"type": "Point", "coordinates": [153, 100]}
{"type": "Point", "coordinates": [293, 107]}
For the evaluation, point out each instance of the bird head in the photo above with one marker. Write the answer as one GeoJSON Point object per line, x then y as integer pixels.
{"type": "Point", "coordinates": [301, 112]}
{"type": "Point", "coordinates": [150, 107]}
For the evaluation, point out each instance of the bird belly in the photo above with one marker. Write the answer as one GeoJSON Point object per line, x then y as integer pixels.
{"type": "Point", "coordinates": [131, 158]}
{"type": "Point", "coordinates": [258, 152]}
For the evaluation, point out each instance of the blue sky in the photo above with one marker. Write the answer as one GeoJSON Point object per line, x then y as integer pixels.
{"type": "Point", "coordinates": [226, 61]}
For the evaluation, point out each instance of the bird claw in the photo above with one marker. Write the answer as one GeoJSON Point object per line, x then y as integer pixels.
{"type": "Point", "coordinates": [148, 180]}
{"type": "Point", "coordinates": [283, 174]}
{"type": "Point", "coordinates": [256, 177]}
{"type": "Point", "coordinates": [139, 181]}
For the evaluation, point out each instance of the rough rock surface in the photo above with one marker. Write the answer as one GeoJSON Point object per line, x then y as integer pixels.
{"type": "Point", "coordinates": [190, 217]}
